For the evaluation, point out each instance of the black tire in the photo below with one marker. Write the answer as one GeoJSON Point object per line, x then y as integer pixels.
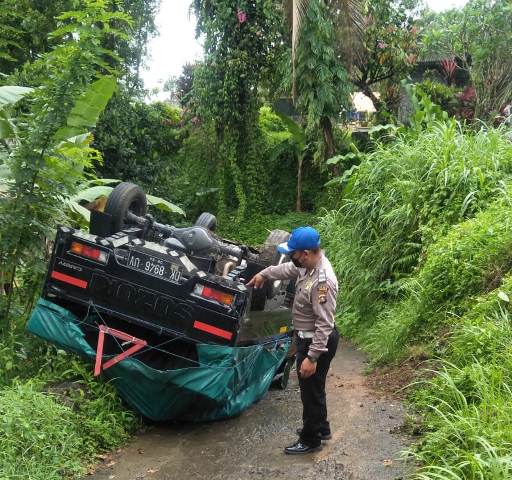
{"type": "Point", "coordinates": [126, 197]}
{"type": "Point", "coordinates": [270, 256]}
{"type": "Point", "coordinates": [207, 220]}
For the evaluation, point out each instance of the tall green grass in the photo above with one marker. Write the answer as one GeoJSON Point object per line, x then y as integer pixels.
{"type": "Point", "coordinates": [405, 196]}
{"type": "Point", "coordinates": [470, 259]}
{"type": "Point", "coordinates": [422, 245]}
{"type": "Point", "coordinates": [52, 432]}
{"type": "Point", "coordinates": [469, 435]}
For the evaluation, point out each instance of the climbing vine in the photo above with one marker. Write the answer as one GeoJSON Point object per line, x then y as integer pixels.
{"type": "Point", "coordinates": [241, 37]}
{"type": "Point", "coordinates": [322, 83]}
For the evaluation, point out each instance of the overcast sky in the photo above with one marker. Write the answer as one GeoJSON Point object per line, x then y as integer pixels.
{"type": "Point", "coordinates": [177, 45]}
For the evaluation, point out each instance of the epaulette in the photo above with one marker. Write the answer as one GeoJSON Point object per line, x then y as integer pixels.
{"type": "Point", "coordinates": [322, 276]}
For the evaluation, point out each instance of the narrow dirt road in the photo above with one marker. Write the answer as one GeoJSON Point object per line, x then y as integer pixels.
{"type": "Point", "coordinates": [251, 446]}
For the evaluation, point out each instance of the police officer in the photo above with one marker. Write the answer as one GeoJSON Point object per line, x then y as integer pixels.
{"type": "Point", "coordinates": [315, 332]}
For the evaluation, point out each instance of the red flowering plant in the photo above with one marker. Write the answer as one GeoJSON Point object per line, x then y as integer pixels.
{"type": "Point", "coordinates": [388, 49]}
{"type": "Point", "coordinates": [241, 16]}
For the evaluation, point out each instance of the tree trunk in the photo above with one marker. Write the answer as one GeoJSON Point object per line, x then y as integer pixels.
{"type": "Point", "coordinates": [298, 203]}
{"type": "Point", "coordinates": [326, 125]}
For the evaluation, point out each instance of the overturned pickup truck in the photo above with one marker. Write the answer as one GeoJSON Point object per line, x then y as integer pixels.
{"type": "Point", "coordinates": [164, 312]}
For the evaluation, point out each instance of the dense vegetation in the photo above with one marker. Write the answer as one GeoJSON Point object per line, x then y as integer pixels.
{"type": "Point", "coordinates": [422, 245]}
{"type": "Point", "coordinates": [415, 214]}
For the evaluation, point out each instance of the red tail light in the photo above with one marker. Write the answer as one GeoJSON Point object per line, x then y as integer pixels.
{"type": "Point", "coordinates": [89, 252]}
{"type": "Point", "coordinates": [213, 294]}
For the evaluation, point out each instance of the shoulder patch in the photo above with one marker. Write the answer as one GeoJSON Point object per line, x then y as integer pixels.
{"type": "Point", "coordinates": [322, 293]}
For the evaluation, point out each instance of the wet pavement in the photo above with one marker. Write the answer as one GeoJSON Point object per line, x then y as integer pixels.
{"type": "Point", "coordinates": [250, 446]}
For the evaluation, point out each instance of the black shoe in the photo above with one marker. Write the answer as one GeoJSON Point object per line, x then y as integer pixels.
{"type": "Point", "coordinates": [299, 448]}
{"type": "Point", "coordinates": [322, 435]}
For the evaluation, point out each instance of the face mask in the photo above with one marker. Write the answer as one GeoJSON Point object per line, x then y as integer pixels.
{"type": "Point", "coordinates": [296, 262]}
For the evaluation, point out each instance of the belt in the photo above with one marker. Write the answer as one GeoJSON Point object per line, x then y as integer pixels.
{"type": "Point", "coordinates": [305, 334]}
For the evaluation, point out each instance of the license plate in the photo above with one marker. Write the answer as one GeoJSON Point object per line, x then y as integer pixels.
{"type": "Point", "coordinates": [154, 266]}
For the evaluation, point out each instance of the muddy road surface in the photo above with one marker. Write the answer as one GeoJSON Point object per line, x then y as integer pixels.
{"type": "Point", "coordinates": [250, 446]}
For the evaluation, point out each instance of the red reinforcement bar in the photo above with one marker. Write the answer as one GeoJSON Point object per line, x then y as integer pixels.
{"type": "Point", "coordinates": [62, 277]}
{"type": "Point", "coordinates": [219, 332]}
{"type": "Point", "coordinates": [137, 345]}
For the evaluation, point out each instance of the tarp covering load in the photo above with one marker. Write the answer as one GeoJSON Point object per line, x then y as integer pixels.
{"type": "Point", "coordinates": [222, 382]}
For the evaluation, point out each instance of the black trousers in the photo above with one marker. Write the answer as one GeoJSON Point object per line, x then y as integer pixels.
{"type": "Point", "coordinates": [312, 390]}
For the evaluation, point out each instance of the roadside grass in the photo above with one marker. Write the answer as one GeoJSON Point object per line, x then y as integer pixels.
{"type": "Point", "coordinates": [422, 245]}
{"type": "Point", "coordinates": [53, 424]}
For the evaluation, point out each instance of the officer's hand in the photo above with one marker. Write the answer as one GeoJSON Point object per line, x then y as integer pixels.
{"type": "Point", "coordinates": [257, 281]}
{"type": "Point", "coordinates": [307, 368]}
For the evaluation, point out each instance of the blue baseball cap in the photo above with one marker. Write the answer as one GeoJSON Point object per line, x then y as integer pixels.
{"type": "Point", "coordinates": [302, 238]}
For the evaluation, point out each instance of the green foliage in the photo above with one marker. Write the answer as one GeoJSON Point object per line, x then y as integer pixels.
{"type": "Point", "coordinates": [240, 45]}
{"type": "Point", "coordinates": [469, 428]}
{"type": "Point", "coordinates": [52, 433]}
{"type": "Point", "coordinates": [25, 27]}
{"type": "Point", "coordinates": [322, 83]}
{"type": "Point", "coordinates": [425, 111]}
{"type": "Point", "coordinates": [44, 166]}
{"type": "Point", "coordinates": [485, 331]}
{"type": "Point", "coordinates": [387, 49]}
{"type": "Point", "coordinates": [38, 437]}
{"type": "Point", "coordinates": [255, 231]}
{"type": "Point", "coordinates": [440, 94]}
{"type": "Point", "coordinates": [139, 143]}
{"type": "Point", "coordinates": [480, 35]}
{"type": "Point", "coordinates": [468, 405]}
{"type": "Point", "coordinates": [471, 258]}
{"type": "Point", "coordinates": [87, 108]}
{"type": "Point", "coordinates": [280, 144]}
{"type": "Point", "coordinates": [283, 145]}
{"type": "Point", "coordinates": [9, 95]}
{"type": "Point", "coordinates": [402, 197]}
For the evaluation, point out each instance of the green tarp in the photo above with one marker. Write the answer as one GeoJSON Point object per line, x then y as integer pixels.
{"type": "Point", "coordinates": [226, 381]}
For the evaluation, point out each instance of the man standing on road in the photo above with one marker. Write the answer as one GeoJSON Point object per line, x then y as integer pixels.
{"type": "Point", "coordinates": [315, 332]}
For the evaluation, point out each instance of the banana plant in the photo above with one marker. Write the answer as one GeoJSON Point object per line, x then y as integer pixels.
{"type": "Point", "coordinates": [95, 192]}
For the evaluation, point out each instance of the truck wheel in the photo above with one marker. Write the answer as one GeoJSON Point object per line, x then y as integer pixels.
{"type": "Point", "coordinates": [270, 256]}
{"type": "Point", "coordinates": [126, 197]}
{"type": "Point", "coordinates": [207, 220]}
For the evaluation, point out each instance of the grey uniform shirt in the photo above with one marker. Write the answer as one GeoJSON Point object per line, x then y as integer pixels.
{"type": "Point", "coordinates": [315, 299]}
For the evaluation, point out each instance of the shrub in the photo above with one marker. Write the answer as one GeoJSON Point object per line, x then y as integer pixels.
{"type": "Point", "coordinates": [139, 143]}
{"type": "Point", "coordinates": [403, 197]}
{"type": "Point", "coordinates": [47, 435]}
{"type": "Point", "coordinates": [38, 435]}
{"type": "Point", "coordinates": [255, 231]}
{"type": "Point", "coordinates": [469, 260]}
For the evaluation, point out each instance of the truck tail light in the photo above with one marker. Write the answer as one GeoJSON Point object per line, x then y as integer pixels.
{"type": "Point", "coordinates": [213, 294]}
{"type": "Point", "coordinates": [89, 252]}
